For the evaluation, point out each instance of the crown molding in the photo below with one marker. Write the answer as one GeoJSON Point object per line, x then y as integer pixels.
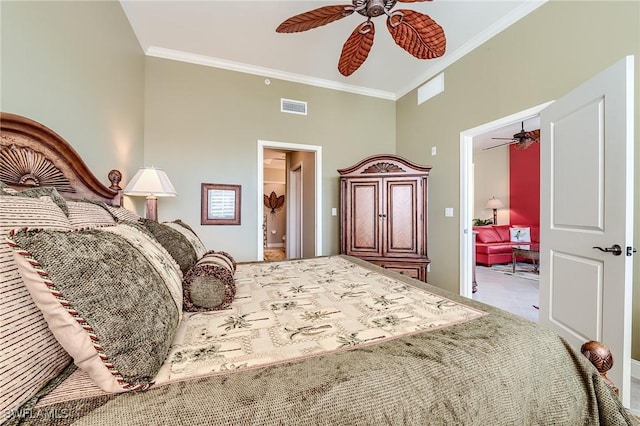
{"type": "Point", "coordinates": [437, 68]}
{"type": "Point", "coordinates": [208, 61]}
{"type": "Point", "coordinates": [447, 60]}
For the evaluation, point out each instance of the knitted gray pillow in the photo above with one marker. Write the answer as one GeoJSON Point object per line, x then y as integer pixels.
{"type": "Point", "coordinates": [175, 243]}
{"type": "Point", "coordinates": [103, 300]}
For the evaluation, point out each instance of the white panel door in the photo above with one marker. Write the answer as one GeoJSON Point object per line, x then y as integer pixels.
{"type": "Point", "coordinates": [586, 201]}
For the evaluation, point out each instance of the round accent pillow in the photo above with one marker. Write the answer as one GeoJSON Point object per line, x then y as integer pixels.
{"type": "Point", "coordinates": [209, 285]}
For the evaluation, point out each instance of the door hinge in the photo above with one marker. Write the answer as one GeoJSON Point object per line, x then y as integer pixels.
{"type": "Point", "coordinates": [630, 251]}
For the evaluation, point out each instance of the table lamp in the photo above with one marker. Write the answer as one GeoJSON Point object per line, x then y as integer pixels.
{"type": "Point", "coordinates": [151, 183]}
{"type": "Point", "coordinates": [494, 204]}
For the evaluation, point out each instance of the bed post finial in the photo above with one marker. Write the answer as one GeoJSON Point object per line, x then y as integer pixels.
{"type": "Point", "coordinates": [601, 357]}
{"type": "Point", "coordinates": [115, 176]}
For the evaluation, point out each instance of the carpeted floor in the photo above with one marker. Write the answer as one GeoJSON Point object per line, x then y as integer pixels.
{"type": "Point", "coordinates": [523, 270]}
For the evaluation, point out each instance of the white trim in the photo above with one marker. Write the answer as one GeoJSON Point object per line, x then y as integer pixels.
{"type": "Point", "coordinates": [466, 191]}
{"type": "Point", "coordinates": [275, 182]}
{"type": "Point", "coordinates": [451, 57]}
{"type": "Point", "coordinates": [176, 55]}
{"type": "Point", "coordinates": [635, 369]}
{"type": "Point", "coordinates": [260, 196]}
{"type": "Point", "coordinates": [275, 245]}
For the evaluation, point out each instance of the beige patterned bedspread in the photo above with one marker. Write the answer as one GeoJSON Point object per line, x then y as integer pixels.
{"type": "Point", "coordinates": [289, 310]}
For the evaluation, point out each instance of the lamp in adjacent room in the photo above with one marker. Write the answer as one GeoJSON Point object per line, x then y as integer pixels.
{"type": "Point", "coordinates": [151, 183]}
{"type": "Point", "coordinates": [494, 204]}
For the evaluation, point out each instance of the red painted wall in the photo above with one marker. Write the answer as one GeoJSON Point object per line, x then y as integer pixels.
{"type": "Point", "coordinates": [524, 185]}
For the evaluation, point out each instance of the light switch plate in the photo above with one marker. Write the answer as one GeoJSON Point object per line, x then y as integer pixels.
{"type": "Point", "coordinates": [433, 151]}
{"type": "Point", "coordinates": [334, 211]}
{"type": "Point", "coordinates": [448, 211]}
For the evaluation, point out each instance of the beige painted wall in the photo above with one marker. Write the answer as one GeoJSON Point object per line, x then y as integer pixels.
{"type": "Point", "coordinates": [77, 68]}
{"type": "Point", "coordinates": [203, 125]}
{"type": "Point", "coordinates": [491, 179]}
{"type": "Point", "coordinates": [538, 59]}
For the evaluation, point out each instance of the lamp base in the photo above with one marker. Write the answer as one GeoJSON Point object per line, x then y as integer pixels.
{"type": "Point", "coordinates": [495, 216]}
{"type": "Point", "coordinates": [152, 208]}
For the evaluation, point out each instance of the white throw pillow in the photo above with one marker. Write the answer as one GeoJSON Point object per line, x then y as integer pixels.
{"type": "Point", "coordinates": [520, 235]}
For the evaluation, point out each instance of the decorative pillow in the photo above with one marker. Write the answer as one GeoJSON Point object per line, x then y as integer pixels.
{"type": "Point", "coordinates": [88, 214]}
{"type": "Point", "coordinates": [520, 235]}
{"type": "Point", "coordinates": [186, 230]}
{"type": "Point", "coordinates": [209, 285]}
{"type": "Point", "coordinates": [29, 353]}
{"type": "Point", "coordinates": [45, 191]}
{"type": "Point", "coordinates": [103, 300]}
{"type": "Point", "coordinates": [161, 260]}
{"type": "Point", "coordinates": [174, 242]}
{"type": "Point", "coordinates": [122, 214]}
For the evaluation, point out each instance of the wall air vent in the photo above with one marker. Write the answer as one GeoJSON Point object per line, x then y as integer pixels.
{"type": "Point", "coordinates": [293, 107]}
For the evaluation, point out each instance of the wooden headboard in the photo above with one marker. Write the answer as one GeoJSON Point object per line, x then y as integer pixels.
{"type": "Point", "coordinates": [31, 155]}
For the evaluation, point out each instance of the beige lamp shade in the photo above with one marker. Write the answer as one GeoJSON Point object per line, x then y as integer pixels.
{"type": "Point", "coordinates": [151, 183]}
{"type": "Point", "coordinates": [494, 203]}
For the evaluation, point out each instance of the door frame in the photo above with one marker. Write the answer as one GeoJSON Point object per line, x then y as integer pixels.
{"type": "Point", "coordinates": [261, 145]}
{"type": "Point", "coordinates": [295, 215]}
{"type": "Point", "coordinates": [466, 188]}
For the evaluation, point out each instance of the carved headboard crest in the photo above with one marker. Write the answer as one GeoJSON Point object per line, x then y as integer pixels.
{"type": "Point", "coordinates": [22, 166]}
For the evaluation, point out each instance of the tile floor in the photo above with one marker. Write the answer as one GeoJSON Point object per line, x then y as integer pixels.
{"type": "Point", "coordinates": [518, 296]}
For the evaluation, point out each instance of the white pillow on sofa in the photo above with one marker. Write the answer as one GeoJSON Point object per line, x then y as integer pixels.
{"type": "Point", "coordinates": [520, 235]}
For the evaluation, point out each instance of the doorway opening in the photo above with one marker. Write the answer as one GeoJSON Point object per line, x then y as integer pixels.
{"type": "Point", "coordinates": [467, 185]}
{"type": "Point", "coordinates": [291, 228]}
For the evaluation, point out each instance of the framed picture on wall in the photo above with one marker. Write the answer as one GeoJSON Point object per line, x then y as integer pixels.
{"type": "Point", "coordinates": [220, 204]}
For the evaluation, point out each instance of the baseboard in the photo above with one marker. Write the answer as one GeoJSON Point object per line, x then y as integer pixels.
{"type": "Point", "coordinates": [275, 245]}
{"type": "Point", "coordinates": [635, 369]}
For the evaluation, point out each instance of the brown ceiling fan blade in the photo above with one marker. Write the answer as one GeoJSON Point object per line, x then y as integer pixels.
{"type": "Point", "coordinates": [315, 18]}
{"type": "Point", "coordinates": [533, 135]}
{"type": "Point", "coordinates": [417, 33]}
{"type": "Point", "coordinates": [356, 49]}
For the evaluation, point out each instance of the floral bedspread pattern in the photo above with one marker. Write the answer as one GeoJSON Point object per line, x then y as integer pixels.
{"type": "Point", "coordinates": [285, 311]}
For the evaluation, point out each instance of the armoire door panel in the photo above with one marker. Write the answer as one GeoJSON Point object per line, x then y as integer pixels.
{"type": "Point", "coordinates": [365, 217]}
{"type": "Point", "coordinates": [401, 217]}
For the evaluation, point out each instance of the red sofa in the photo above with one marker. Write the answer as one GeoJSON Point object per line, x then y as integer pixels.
{"type": "Point", "coordinates": [493, 243]}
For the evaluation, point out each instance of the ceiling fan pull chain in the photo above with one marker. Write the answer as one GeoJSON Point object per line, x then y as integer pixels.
{"type": "Point", "coordinates": [395, 18]}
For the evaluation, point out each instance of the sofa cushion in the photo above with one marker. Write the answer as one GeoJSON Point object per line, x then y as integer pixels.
{"type": "Point", "coordinates": [503, 231]}
{"type": "Point", "coordinates": [496, 248]}
{"type": "Point", "coordinates": [486, 234]}
{"type": "Point", "coordinates": [103, 300]}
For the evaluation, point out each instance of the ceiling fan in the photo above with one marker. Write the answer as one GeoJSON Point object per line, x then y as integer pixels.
{"type": "Point", "coordinates": [415, 32]}
{"type": "Point", "coordinates": [522, 139]}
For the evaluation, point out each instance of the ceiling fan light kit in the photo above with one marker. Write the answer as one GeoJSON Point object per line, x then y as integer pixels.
{"type": "Point", "coordinates": [413, 31]}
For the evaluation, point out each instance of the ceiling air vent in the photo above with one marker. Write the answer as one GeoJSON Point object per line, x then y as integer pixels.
{"type": "Point", "coordinates": [293, 107]}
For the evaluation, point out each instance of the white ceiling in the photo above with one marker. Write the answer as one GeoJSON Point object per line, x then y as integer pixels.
{"type": "Point", "coordinates": [240, 35]}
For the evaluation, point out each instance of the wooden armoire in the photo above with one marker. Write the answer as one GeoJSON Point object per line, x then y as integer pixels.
{"type": "Point", "coordinates": [383, 213]}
